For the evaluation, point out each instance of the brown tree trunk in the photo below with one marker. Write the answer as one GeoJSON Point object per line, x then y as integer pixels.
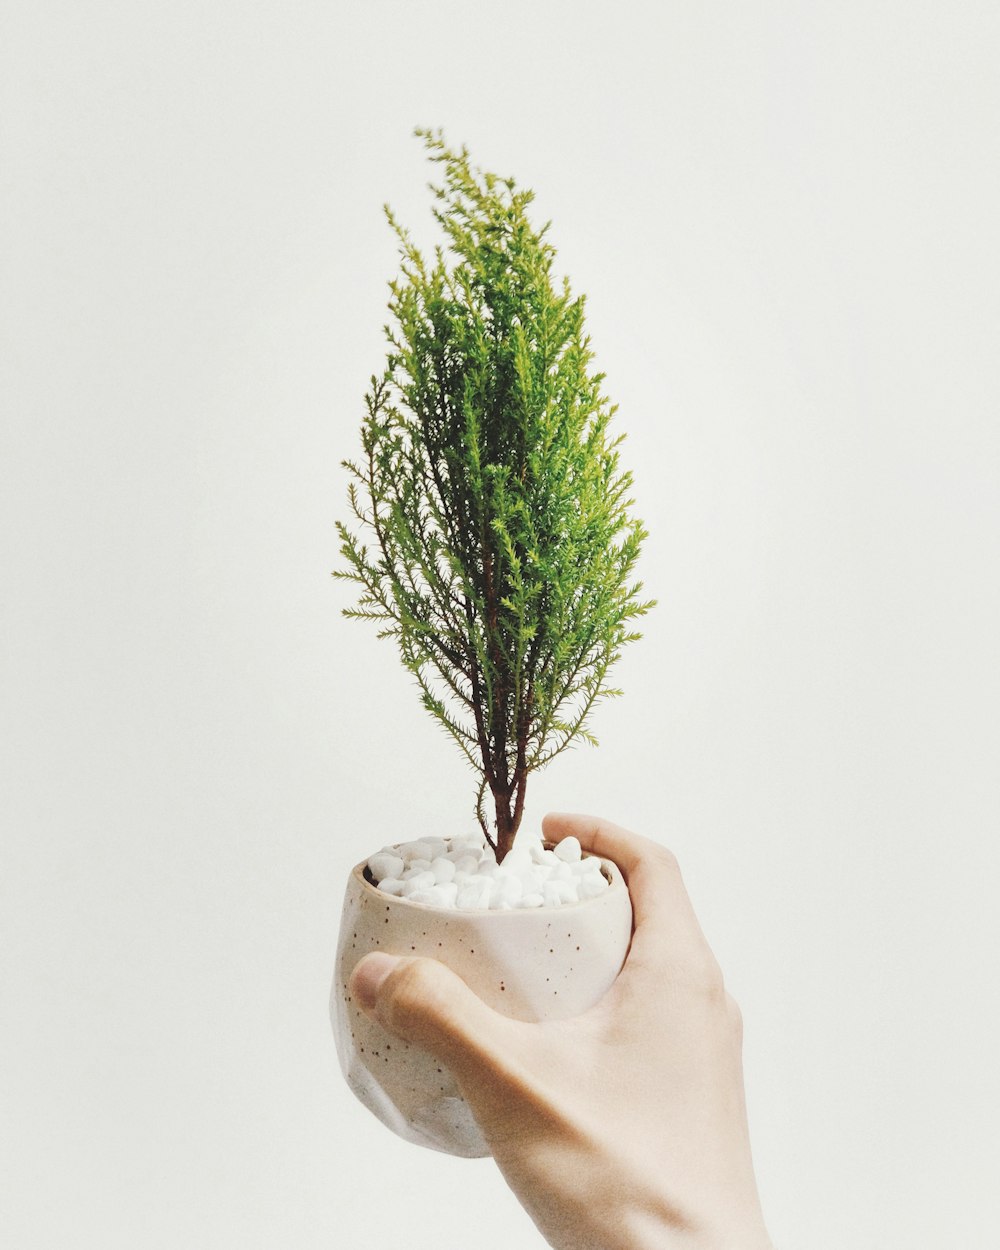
{"type": "Point", "coordinates": [505, 826]}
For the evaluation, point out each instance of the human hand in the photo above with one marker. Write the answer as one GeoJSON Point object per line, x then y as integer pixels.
{"type": "Point", "coordinates": [620, 1129]}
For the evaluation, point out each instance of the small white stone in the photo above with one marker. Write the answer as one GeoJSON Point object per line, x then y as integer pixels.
{"type": "Point", "coordinates": [390, 885]}
{"type": "Point", "coordinates": [533, 882]}
{"type": "Point", "coordinates": [531, 900]}
{"type": "Point", "coordinates": [511, 886]}
{"type": "Point", "coordinates": [431, 897]}
{"type": "Point", "coordinates": [516, 860]}
{"type": "Point", "coordinates": [592, 884]}
{"type": "Point", "coordinates": [556, 893]}
{"type": "Point", "coordinates": [415, 867]}
{"type": "Point", "coordinates": [589, 863]}
{"type": "Point", "coordinates": [385, 865]}
{"type": "Point", "coordinates": [443, 869]}
{"type": "Point", "coordinates": [476, 893]}
{"type": "Point", "coordinates": [473, 842]}
{"type": "Point", "coordinates": [506, 893]}
{"type": "Point", "coordinates": [419, 881]}
{"type": "Point", "coordinates": [569, 850]}
{"type": "Point", "coordinates": [466, 862]}
{"type": "Point", "coordinates": [420, 849]}
{"type": "Point", "coordinates": [419, 896]}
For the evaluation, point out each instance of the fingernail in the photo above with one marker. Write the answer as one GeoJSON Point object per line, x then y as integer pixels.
{"type": "Point", "coordinates": [367, 978]}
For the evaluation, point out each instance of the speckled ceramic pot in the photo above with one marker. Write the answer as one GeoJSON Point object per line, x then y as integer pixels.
{"type": "Point", "coordinates": [539, 963]}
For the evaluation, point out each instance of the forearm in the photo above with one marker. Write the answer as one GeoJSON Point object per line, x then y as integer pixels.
{"type": "Point", "coordinates": [598, 1191]}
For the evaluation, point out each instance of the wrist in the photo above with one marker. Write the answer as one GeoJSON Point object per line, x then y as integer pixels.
{"type": "Point", "coordinates": [630, 1225]}
{"type": "Point", "coordinates": [661, 1227]}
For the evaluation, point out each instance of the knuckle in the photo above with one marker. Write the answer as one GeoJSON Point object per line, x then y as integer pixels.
{"type": "Point", "coordinates": [662, 864]}
{"type": "Point", "coordinates": [665, 858]}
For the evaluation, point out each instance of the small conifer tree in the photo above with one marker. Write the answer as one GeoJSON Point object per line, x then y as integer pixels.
{"type": "Point", "coordinates": [502, 548]}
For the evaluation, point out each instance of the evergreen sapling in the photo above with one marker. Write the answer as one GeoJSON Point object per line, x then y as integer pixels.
{"type": "Point", "coordinates": [496, 542]}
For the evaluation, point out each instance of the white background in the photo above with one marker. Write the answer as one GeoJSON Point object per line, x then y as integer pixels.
{"type": "Point", "coordinates": [785, 218]}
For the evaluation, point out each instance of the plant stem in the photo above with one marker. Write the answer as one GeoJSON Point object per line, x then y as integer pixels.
{"type": "Point", "coordinates": [508, 821]}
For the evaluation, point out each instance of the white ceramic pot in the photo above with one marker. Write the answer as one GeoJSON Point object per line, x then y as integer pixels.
{"type": "Point", "coordinates": [539, 963]}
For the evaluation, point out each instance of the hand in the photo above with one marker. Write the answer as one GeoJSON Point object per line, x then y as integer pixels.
{"type": "Point", "coordinates": [620, 1129]}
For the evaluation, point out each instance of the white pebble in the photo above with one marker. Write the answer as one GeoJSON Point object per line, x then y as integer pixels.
{"type": "Point", "coordinates": [417, 850]}
{"type": "Point", "coordinates": [556, 893]}
{"type": "Point", "coordinates": [436, 895]}
{"type": "Point", "coordinates": [506, 892]}
{"type": "Point", "coordinates": [473, 844]}
{"type": "Point", "coordinates": [531, 900]}
{"type": "Point", "coordinates": [443, 870]}
{"type": "Point", "coordinates": [390, 885]}
{"type": "Point", "coordinates": [590, 863]}
{"type": "Point", "coordinates": [592, 884]}
{"type": "Point", "coordinates": [509, 886]}
{"type": "Point", "coordinates": [385, 865]}
{"type": "Point", "coordinates": [516, 860]}
{"type": "Point", "coordinates": [476, 893]}
{"type": "Point", "coordinates": [419, 881]}
{"type": "Point", "coordinates": [415, 867]}
{"type": "Point", "coordinates": [569, 850]}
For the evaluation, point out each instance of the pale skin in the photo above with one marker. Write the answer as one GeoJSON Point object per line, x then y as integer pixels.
{"type": "Point", "coordinates": [624, 1128]}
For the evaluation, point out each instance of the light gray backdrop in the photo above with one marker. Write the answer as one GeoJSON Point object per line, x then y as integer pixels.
{"type": "Point", "coordinates": [785, 218]}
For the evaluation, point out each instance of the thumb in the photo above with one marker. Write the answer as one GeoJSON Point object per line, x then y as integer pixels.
{"type": "Point", "coordinates": [428, 1005]}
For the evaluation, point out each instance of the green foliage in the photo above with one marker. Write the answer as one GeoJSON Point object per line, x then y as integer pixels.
{"type": "Point", "coordinates": [502, 548]}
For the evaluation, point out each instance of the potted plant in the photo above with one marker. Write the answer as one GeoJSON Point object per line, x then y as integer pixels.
{"type": "Point", "coordinates": [493, 541]}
